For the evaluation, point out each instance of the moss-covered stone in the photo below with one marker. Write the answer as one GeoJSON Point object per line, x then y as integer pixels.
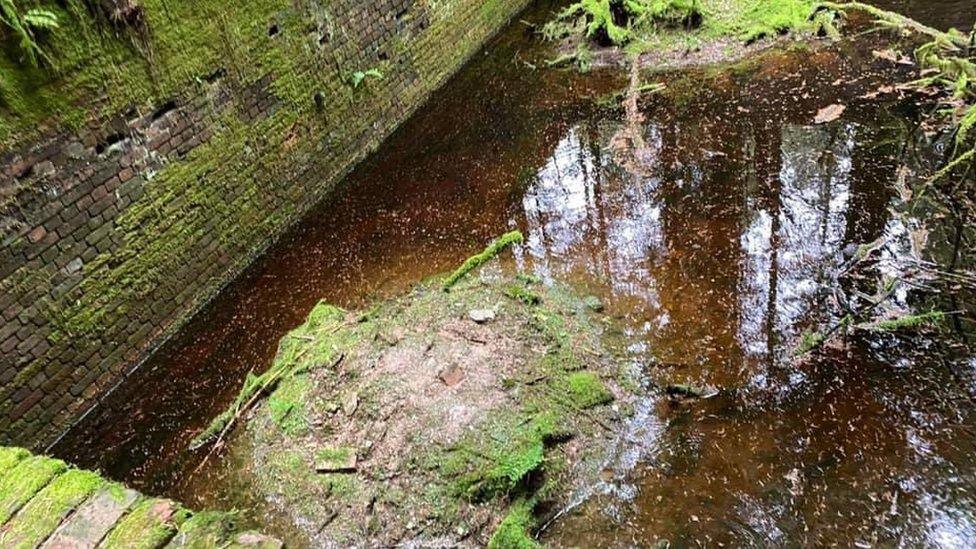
{"type": "Point", "coordinates": [10, 457]}
{"type": "Point", "coordinates": [45, 511]}
{"type": "Point", "coordinates": [44, 502]}
{"type": "Point", "coordinates": [150, 525]}
{"type": "Point", "coordinates": [19, 484]}
{"type": "Point", "coordinates": [206, 530]}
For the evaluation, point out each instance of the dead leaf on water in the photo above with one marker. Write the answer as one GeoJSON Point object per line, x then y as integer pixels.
{"type": "Point", "coordinates": [829, 113]}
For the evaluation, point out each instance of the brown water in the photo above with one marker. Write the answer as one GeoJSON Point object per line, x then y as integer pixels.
{"type": "Point", "coordinates": [713, 246]}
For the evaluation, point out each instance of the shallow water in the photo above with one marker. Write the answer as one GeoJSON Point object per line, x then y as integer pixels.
{"type": "Point", "coordinates": [712, 242]}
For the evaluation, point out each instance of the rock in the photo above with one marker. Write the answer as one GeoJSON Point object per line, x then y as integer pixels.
{"type": "Point", "coordinates": [350, 402]}
{"type": "Point", "coordinates": [682, 391]}
{"type": "Point", "coordinates": [481, 316]}
{"type": "Point", "coordinates": [336, 460]}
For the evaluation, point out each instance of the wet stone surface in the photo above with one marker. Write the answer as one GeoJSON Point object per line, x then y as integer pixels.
{"type": "Point", "coordinates": [709, 230]}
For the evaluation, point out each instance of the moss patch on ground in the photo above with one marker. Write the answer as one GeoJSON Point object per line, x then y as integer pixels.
{"type": "Point", "coordinates": [416, 423]}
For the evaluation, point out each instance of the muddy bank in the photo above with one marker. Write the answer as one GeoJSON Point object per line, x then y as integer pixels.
{"type": "Point", "coordinates": [468, 416]}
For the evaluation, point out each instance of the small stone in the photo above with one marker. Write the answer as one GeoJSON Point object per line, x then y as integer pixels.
{"type": "Point", "coordinates": [481, 316]}
{"type": "Point", "coordinates": [350, 402]}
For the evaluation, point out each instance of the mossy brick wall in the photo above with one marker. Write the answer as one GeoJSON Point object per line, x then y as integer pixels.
{"type": "Point", "coordinates": [147, 169]}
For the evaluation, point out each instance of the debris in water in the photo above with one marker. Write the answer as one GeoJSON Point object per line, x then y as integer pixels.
{"type": "Point", "coordinates": [683, 392]}
{"type": "Point", "coordinates": [829, 113]}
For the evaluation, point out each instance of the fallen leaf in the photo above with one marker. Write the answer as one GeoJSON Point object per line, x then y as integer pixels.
{"type": "Point", "coordinates": [829, 114]}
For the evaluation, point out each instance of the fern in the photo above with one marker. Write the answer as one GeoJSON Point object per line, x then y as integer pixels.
{"type": "Point", "coordinates": [357, 78]}
{"type": "Point", "coordinates": [24, 23]}
{"type": "Point", "coordinates": [595, 19]}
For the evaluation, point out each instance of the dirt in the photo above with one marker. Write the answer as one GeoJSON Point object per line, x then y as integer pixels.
{"type": "Point", "coordinates": [421, 425]}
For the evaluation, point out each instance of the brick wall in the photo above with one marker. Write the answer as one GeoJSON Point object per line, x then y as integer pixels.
{"type": "Point", "coordinates": [118, 227]}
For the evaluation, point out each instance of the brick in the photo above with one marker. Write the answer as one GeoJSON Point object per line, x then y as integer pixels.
{"type": "Point", "coordinates": [37, 234]}
{"type": "Point", "coordinates": [73, 224]}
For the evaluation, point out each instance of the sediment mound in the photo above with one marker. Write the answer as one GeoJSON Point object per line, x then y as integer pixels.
{"type": "Point", "coordinates": [465, 417]}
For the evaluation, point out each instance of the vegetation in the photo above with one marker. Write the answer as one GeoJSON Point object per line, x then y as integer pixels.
{"type": "Point", "coordinates": [25, 24]}
{"type": "Point", "coordinates": [28, 477]}
{"type": "Point", "coordinates": [513, 532]}
{"type": "Point", "coordinates": [39, 518]}
{"type": "Point", "coordinates": [150, 524]}
{"type": "Point", "coordinates": [473, 262]}
{"type": "Point", "coordinates": [292, 360]}
{"type": "Point", "coordinates": [642, 26]}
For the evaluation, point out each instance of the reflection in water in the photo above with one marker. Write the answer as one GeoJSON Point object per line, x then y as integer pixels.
{"type": "Point", "coordinates": [718, 257]}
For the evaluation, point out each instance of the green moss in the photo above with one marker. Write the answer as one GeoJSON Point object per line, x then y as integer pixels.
{"type": "Point", "coordinates": [514, 530]}
{"type": "Point", "coordinates": [496, 461]}
{"type": "Point", "coordinates": [287, 405]}
{"type": "Point", "coordinates": [766, 18]}
{"type": "Point", "coordinates": [316, 343]}
{"type": "Point", "coordinates": [39, 518]}
{"type": "Point", "coordinates": [10, 457]}
{"type": "Point", "coordinates": [206, 530]}
{"type": "Point", "coordinates": [149, 525]}
{"type": "Point", "coordinates": [334, 455]}
{"type": "Point", "coordinates": [488, 254]}
{"type": "Point", "coordinates": [19, 484]}
{"type": "Point", "coordinates": [587, 390]}
{"type": "Point", "coordinates": [908, 321]}
{"type": "Point", "coordinates": [523, 294]}
{"type": "Point", "coordinates": [292, 476]}
{"type": "Point", "coordinates": [808, 342]}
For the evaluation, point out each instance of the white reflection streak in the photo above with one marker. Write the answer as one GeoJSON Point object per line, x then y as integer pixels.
{"type": "Point", "coordinates": [815, 194]}
{"type": "Point", "coordinates": [757, 249]}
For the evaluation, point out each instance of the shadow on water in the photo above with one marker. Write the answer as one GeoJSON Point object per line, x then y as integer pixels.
{"type": "Point", "coordinates": [712, 242]}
